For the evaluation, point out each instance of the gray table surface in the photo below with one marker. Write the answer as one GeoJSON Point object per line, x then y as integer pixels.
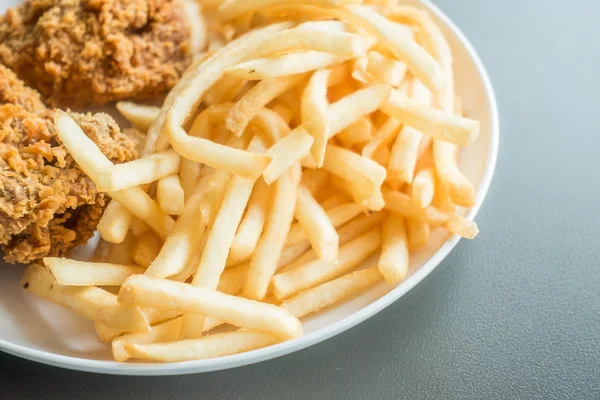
{"type": "Point", "coordinates": [511, 315]}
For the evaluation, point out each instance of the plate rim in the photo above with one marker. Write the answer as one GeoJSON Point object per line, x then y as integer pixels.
{"type": "Point", "coordinates": [320, 335]}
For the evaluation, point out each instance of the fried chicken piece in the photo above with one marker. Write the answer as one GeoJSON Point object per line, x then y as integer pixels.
{"type": "Point", "coordinates": [47, 204]}
{"type": "Point", "coordinates": [86, 52]}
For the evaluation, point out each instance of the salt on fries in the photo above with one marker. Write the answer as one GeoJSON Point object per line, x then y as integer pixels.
{"type": "Point", "coordinates": [284, 158]}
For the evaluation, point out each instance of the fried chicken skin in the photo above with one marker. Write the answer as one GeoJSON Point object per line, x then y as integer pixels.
{"type": "Point", "coordinates": [47, 204]}
{"type": "Point", "coordinates": [89, 52]}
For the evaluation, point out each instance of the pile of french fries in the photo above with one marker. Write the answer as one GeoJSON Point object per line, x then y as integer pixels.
{"type": "Point", "coordinates": [310, 136]}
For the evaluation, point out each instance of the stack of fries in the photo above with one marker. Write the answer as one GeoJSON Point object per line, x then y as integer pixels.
{"type": "Point", "coordinates": [312, 135]}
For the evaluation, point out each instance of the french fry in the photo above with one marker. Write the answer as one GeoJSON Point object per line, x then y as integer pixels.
{"type": "Point", "coordinates": [90, 159]}
{"type": "Point", "coordinates": [268, 251]}
{"type": "Point", "coordinates": [139, 115]}
{"type": "Point", "coordinates": [406, 148]}
{"type": "Point", "coordinates": [253, 223]}
{"type": "Point", "coordinates": [437, 124]}
{"type": "Point", "coordinates": [105, 333]}
{"type": "Point", "coordinates": [382, 156]}
{"type": "Point", "coordinates": [288, 151]}
{"type": "Point", "coordinates": [350, 109]}
{"type": "Point", "coordinates": [138, 227]}
{"type": "Point", "coordinates": [292, 252]}
{"type": "Point", "coordinates": [372, 201]}
{"type": "Point", "coordinates": [165, 332]}
{"type": "Point", "coordinates": [314, 107]}
{"type": "Point", "coordinates": [225, 90]}
{"type": "Point", "coordinates": [170, 195]}
{"type": "Point", "coordinates": [423, 187]}
{"type": "Point", "coordinates": [284, 112]}
{"type": "Point", "coordinates": [138, 172]}
{"type": "Point", "coordinates": [305, 38]}
{"type": "Point", "coordinates": [79, 273]}
{"type": "Point", "coordinates": [416, 58]}
{"type": "Point", "coordinates": [315, 180]}
{"type": "Point", "coordinates": [393, 262]}
{"type": "Point", "coordinates": [346, 233]}
{"type": "Point", "coordinates": [334, 201]}
{"type": "Point", "coordinates": [146, 248]}
{"type": "Point", "coordinates": [219, 240]}
{"type": "Point", "coordinates": [199, 80]}
{"type": "Point", "coordinates": [317, 226]}
{"type": "Point", "coordinates": [402, 204]}
{"type": "Point", "coordinates": [232, 279]}
{"type": "Point", "coordinates": [286, 284]}
{"type": "Point", "coordinates": [189, 228]}
{"type": "Point", "coordinates": [358, 133]}
{"type": "Point", "coordinates": [156, 292]}
{"type": "Point", "coordinates": [385, 70]}
{"type": "Point", "coordinates": [337, 216]}
{"type": "Point", "coordinates": [114, 223]}
{"type": "Point", "coordinates": [361, 171]}
{"type": "Point", "coordinates": [90, 302]}
{"type": "Point", "coordinates": [197, 25]}
{"type": "Point", "coordinates": [334, 291]}
{"type": "Point", "coordinates": [385, 135]}
{"type": "Point", "coordinates": [285, 65]}
{"type": "Point", "coordinates": [417, 232]}
{"type": "Point", "coordinates": [256, 98]}
{"type": "Point", "coordinates": [231, 9]}
{"type": "Point", "coordinates": [211, 346]}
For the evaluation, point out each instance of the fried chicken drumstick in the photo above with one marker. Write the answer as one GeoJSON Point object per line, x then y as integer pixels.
{"type": "Point", "coordinates": [89, 52]}
{"type": "Point", "coordinates": [47, 204]}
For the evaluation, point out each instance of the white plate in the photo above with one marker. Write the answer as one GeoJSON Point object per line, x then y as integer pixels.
{"type": "Point", "coordinates": [36, 330]}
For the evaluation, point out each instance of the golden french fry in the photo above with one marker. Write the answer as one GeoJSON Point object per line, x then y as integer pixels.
{"type": "Point", "coordinates": [292, 252]}
{"type": "Point", "coordinates": [268, 251]}
{"type": "Point", "coordinates": [232, 279]}
{"type": "Point", "coordinates": [219, 240]}
{"type": "Point", "coordinates": [79, 273]}
{"type": "Point", "coordinates": [146, 248]}
{"type": "Point", "coordinates": [393, 262]}
{"type": "Point", "coordinates": [256, 98]}
{"type": "Point", "coordinates": [358, 133]}
{"type": "Point", "coordinates": [403, 204]}
{"type": "Point", "coordinates": [170, 195]}
{"type": "Point", "coordinates": [304, 38]}
{"type": "Point", "coordinates": [286, 152]}
{"type": "Point", "coordinates": [139, 115]}
{"type": "Point", "coordinates": [231, 9]}
{"type": "Point", "coordinates": [253, 223]}
{"type": "Point", "coordinates": [334, 200]}
{"type": "Point", "coordinates": [437, 124]}
{"type": "Point", "coordinates": [369, 201]}
{"type": "Point", "coordinates": [284, 112]}
{"type": "Point", "coordinates": [189, 228]}
{"type": "Point", "coordinates": [392, 36]}
{"type": "Point", "coordinates": [328, 293]}
{"type": "Point", "coordinates": [362, 172]}
{"type": "Point", "coordinates": [197, 25]}
{"type": "Point", "coordinates": [385, 70]}
{"type": "Point", "coordinates": [314, 107]}
{"type": "Point", "coordinates": [114, 223]}
{"type": "Point", "coordinates": [284, 65]}
{"type": "Point", "coordinates": [105, 333]}
{"type": "Point", "coordinates": [161, 293]}
{"type": "Point", "coordinates": [91, 160]}
{"type": "Point", "coordinates": [165, 332]}
{"type": "Point", "coordinates": [353, 107]}
{"type": "Point", "coordinates": [317, 226]}
{"type": "Point", "coordinates": [211, 346]}
{"type": "Point", "coordinates": [423, 187]}
{"type": "Point", "coordinates": [385, 135]}
{"type": "Point", "coordinates": [337, 216]}
{"type": "Point", "coordinates": [90, 302]}
{"type": "Point", "coordinates": [224, 90]}
{"type": "Point", "coordinates": [199, 80]}
{"type": "Point", "coordinates": [418, 233]}
{"type": "Point", "coordinates": [348, 232]}
{"type": "Point", "coordinates": [316, 272]}
{"type": "Point", "coordinates": [138, 227]}
{"type": "Point", "coordinates": [315, 180]}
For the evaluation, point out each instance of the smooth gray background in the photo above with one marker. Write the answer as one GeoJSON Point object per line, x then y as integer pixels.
{"type": "Point", "coordinates": [511, 315]}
